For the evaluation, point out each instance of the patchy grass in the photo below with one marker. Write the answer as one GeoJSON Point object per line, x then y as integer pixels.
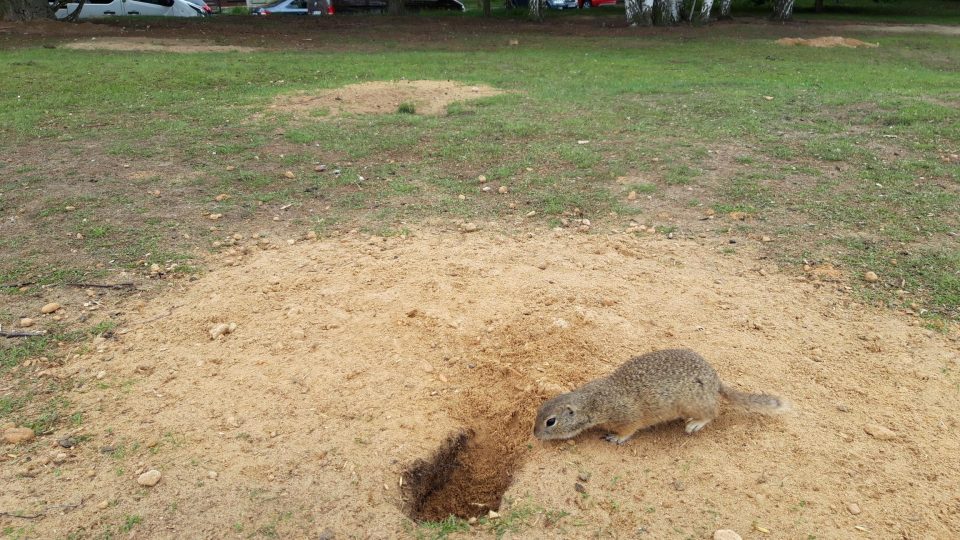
{"type": "Point", "coordinates": [104, 177]}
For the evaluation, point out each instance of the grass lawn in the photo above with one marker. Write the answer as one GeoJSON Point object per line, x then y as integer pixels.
{"type": "Point", "coordinates": [112, 161]}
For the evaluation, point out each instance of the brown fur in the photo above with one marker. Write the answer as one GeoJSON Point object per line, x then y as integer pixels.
{"type": "Point", "coordinates": [647, 390]}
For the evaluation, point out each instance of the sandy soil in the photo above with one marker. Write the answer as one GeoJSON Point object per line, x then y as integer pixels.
{"type": "Point", "coordinates": [354, 358]}
{"type": "Point", "coordinates": [154, 45]}
{"type": "Point", "coordinates": [826, 42]}
{"type": "Point", "coordinates": [384, 97]}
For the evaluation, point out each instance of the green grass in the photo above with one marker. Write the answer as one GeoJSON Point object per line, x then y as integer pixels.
{"type": "Point", "coordinates": [841, 121]}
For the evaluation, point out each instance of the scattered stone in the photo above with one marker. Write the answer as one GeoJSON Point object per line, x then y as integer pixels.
{"type": "Point", "coordinates": [212, 475]}
{"type": "Point", "coordinates": [871, 277]}
{"type": "Point", "coordinates": [289, 174]}
{"type": "Point", "coordinates": [579, 488]}
{"type": "Point", "coordinates": [26, 322]}
{"type": "Point", "coordinates": [60, 458]}
{"type": "Point", "coordinates": [52, 307]}
{"type": "Point", "coordinates": [102, 505]}
{"type": "Point", "coordinates": [426, 367]}
{"type": "Point", "coordinates": [879, 432]}
{"type": "Point", "coordinates": [584, 477]}
{"type": "Point", "coordinates": [531, 213]}
{"type": "Point", "coordinates": [231, 167]}
{"type": "Point", "coordinates": [67, 442]}
{"type": "Point", "coordinates": [469, 227]}
{"type": "Point", "coordinates": [214, 217]}
{"type": "Point", "coordinates": [486, 189]}
{"type": "Point", "coordinates": [221, 197]}
{"type": "Point", "coordinates": [320, 168]}
{"type": "Point", "coordinates": [854, 509]}
{"type": "Point", "coordinates": [152, 442]}
{"type": "Point", "coordinates": [311, 235]}
{"type": "Point", "coordinates": [149, 478]}
{"type": "Point", "coordinates": [632, 196]}
{"type": "Point", "coordinates": [493, 515]}
{"type": "Point", "coordinates": [542, 265]}
{"type": "Point", "coordinates": [101, 374]}
{"type": "Point", "coordinates": [726, 534]}
{"type": "Point", "coordinates": [17, 435]}
{"type": "Point", "coordinates": [503, 190]}
{"type": "Point", "coordinates": [222, 329]}
{"type": "Point", "coordinates": [462, 197]}
{"type": "Point", "coordinates": [481, 178]}
{"type": "Point", "coordinates": [70, 208]}
{"type": "Point", "coordinates": [766, 239]}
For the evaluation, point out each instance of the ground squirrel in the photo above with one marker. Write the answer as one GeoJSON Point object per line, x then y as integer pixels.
{"type": "Point", "coordinates": [647, 390]}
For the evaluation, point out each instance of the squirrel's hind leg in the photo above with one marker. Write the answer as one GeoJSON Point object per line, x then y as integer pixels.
{"type": "Point", "coordinates": [694, 425]}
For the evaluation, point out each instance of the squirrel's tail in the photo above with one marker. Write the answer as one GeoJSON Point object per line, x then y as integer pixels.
{"type": "Point", "coordinates": [761, 403]}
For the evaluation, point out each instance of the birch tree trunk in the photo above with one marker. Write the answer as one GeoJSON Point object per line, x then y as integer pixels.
{"type": "Point", "coordinates": [24, 10]}
{"type": "Point", "coordinates": [702, 16]}
{"type": "Point", "coordinates": [782, 10]}
{"type": "Point", "coordinates": [646, 12]}
{"type": "Point", "coordinates": [666, 12]}
{"type": "Point", "coordinates": [725, 10]}
{"type": "Point", "coordinates": [536, 10]}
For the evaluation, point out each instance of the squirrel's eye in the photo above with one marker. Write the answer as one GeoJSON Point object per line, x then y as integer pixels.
{"type": "Point", "coordinates": [551, 421]}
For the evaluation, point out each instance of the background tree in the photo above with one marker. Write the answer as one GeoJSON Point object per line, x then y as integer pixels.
{"type": "Point", "coordinates": [782, 10]}
{"type": "Point", "coordinates": [536, 10]}
{"type": "Point", "coordinates": [24, 10]}
{"type": "Point", "coordinates": [725, 9]}
{"type": "Point", "coordinates": [395, 7]}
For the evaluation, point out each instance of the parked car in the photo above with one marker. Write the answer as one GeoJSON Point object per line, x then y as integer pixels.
{"type": "Point", "coordinates": [299, 7]}
{"type": "Point", "coordinates": [579, 4]}
{"type": "Point", "coordinates": [292, 7]}
{"type": "Point", "coordinates": [93, 9]}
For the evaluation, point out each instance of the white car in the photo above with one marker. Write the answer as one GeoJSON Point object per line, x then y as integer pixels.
{"type": "Point", "coordinates": [93, 9]}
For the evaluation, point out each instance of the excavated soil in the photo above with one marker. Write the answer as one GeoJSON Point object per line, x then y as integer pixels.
{"type": "Point", "coordinates": [826, 42]}
{"type": "Point", "coordinates": [384, 97]}
{"type": "Point", "coordinates": [154, 45]}
{"type": "Point", "coordinates": [370, 379]}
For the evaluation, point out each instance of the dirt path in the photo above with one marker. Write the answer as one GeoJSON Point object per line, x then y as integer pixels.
{"type": "Point", "coordinates": [940, 29]}
{"type": "Point", "coordinates": [353, 358]}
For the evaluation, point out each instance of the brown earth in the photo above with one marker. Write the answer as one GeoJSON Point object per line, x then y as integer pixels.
{"type": "Point", "coordinates": [384, 97]}
{"type": "Point", "coordinates": [826, 42]}
{"type": "Point", "coordinates": [158, 45]}
{"type": "Point", "coordinates": [353, 358]}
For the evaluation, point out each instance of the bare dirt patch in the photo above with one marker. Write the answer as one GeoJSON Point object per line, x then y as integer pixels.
{"type": "Point", "coordinates": [154, 45]}
{"type": "Point", "coordinates": [353, 360]}
{"type": "Point", "coordinates": [941, 29]}
{"type": "Point", "coordinates": [385, 97]}
{"type": "Point", "coordinates": [826, 42]}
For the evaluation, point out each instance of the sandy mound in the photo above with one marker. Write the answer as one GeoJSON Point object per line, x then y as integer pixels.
{"type": "Point", "coordinates": [385, 97]}
{"type": "Point", "coordinates": [152, 44]}
{"type": "Point", "coordinates": [826, 42]}
{"type": "Point", "coordinates": [362, 370]}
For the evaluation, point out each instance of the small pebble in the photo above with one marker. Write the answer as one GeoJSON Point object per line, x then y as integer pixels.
{"type": "Point", "coordinates": [493, 515]}
{"type": "Point", "coordinates": [221, 197]}
{"type": "Point", "coordinates": [149, 478]}
{"type": "Point", "coordinates": [212, 475]}
{"type": "Point", "coordinates": [289, 174]}
{"type": "Point", "coordinates": [481, 178]}
{"type": "Point", "coordinates": [67, 442]}
{"type": "Point", "coordinates": [26, 322]}
{"type": "Point", "coordinates": [854, 509]}
{"type": "Point", "coordinates": [871, 277]}
{"type": "Point", "coordinates": [632, 196]}
{"type": "Point", "coordinates": [726, 534]}
{"type": "Point", "coordinates": [579, 488]}
{"type": "Point", "coordinates": [214, 217]}
{"type": "Point", "coordinates": [584, 477]}
{"type": "Point", "coordinates": [469, 227]}
{"type": "Point", "coordinates": [50, 308]}
{"type": "Point", "coordinates": [102, 505]}
{"type": "Point", "coordinates": [503, 190]}
{"type": "Point", "coordinates": [879, 432]}
{"type": "Point", "coordinates": [219, 330]}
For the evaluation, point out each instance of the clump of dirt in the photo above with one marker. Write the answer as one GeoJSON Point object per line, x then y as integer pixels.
{"type": "Point", "coordinates": [354, 359]}
{"type": "Point", "coordinates": [154, 45]}
{"type": "Point", "coordinates": [826, 42]}
{"type": "Point", "coordinates": [385, 97]}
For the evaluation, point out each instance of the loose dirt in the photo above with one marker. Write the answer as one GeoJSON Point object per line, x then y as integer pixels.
{"type": "Point", "coordinates": [827, 42]}
{"type": "Point", "coordinates": [154, 45]}
{"type": "Point", "coordinates": [384, 97]}
{"type": "Point", "coordinates": [356, 364]}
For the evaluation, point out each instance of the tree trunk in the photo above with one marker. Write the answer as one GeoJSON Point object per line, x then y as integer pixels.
{"type": "Point", "coordinates": [666, 12]}
{"type": "Point", "coordinates": [536, 10]}
{"type": "Point", "coordinates": [725, 10]}
{"type": "Point", "coordinates": [702, 16]}
{"type": "Point", "coordinates": [395, 7]}
{"type": "Point", "coordinates": [818, 6]}
{"type": "Point", "coordinates": [24, 10]}
{"type": "Point", "coordinates": [782, 10]}
{"type": "Point", "coordinates": [646, 12]}
{"type": "Point", "coordinates": [486, 8]}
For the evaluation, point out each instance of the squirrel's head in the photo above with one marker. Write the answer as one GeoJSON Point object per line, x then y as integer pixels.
{"type": "Point", "coordinates": [560, 418]}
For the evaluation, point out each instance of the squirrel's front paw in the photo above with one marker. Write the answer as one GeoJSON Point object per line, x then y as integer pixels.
{"type": "Point", "coordinates": [614, 438]}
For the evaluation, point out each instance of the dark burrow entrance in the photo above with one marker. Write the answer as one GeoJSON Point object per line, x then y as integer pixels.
{"type": "Point", "coordinates": [465, 477]}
